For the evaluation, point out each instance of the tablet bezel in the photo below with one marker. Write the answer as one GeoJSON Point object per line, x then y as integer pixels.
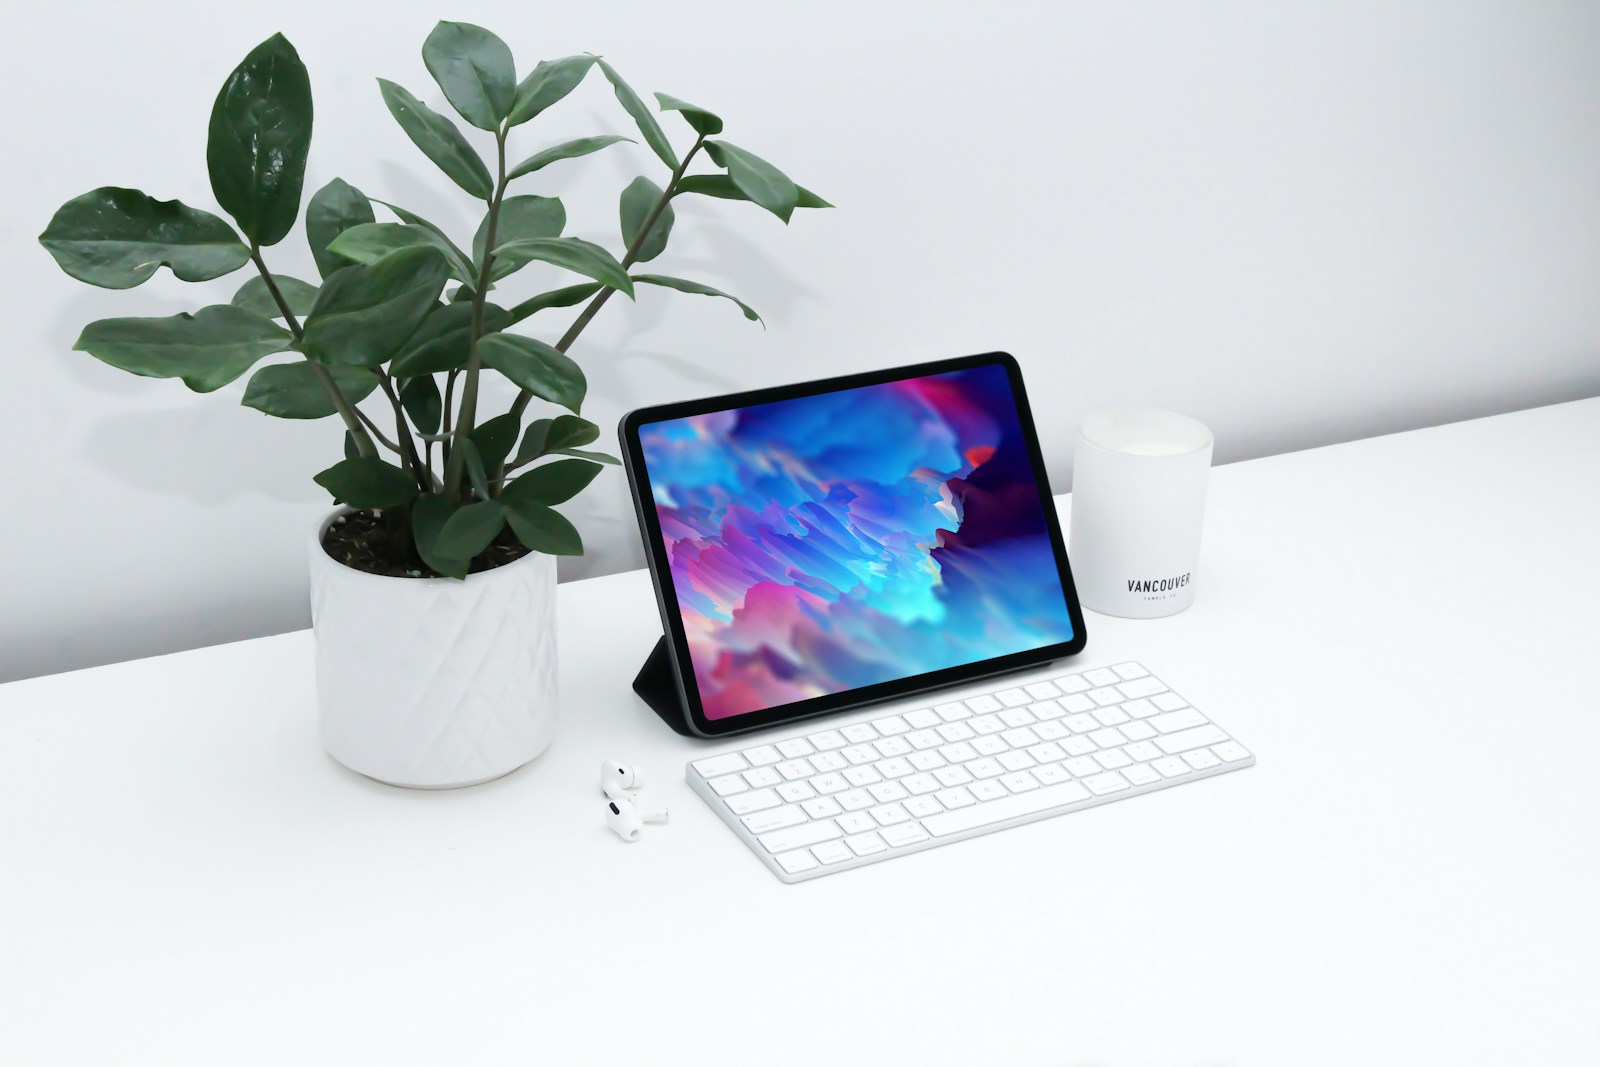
{"type": "Point", "coordinates": [666, 592]}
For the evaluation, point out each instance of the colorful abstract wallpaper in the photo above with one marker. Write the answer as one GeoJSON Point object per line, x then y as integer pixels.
{"type": "Point", "coordinates": [830, 542]}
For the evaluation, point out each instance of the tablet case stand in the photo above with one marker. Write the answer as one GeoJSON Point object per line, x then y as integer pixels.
{"type": "Point", "coordinates": [657, 687]}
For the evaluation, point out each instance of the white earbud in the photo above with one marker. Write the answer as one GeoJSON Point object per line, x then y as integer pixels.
{"type": "Point", "coordinates": [624, 813]}
{"type": "Point", "coordinates": [619, 779]}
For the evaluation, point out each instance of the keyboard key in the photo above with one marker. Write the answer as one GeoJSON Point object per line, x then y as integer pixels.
{"type": "Point", "coordinates": [1107, 696]}
{"type": "Point", "coordinates": [859, 733]}
{"type": "Point", "coordinates": [983, 705]}
{"type": "Point", "coordinates": [1140, 774]}
{"type": "Point", "coordinates": [992, 745]}
{"type": "Point", "coordinates": [717, 766]}
{"type": "Point", "coordinates": [925, 739]}
{"type": "Point", "coordinates": [1078, 746]}
{"type": "Point", "coordinates": [1042, 690]}
{"type": "Point", "coordinates": [1101, 676]}
{"type": "Point", "coordinates": [884, 792]}
{"type": "Point", "coordinates": [956, 731]}
{"type": "Point", "coordinates": [1013, 698]}
{"type": "Point", "coordinates": [926, 761]}
{"type": "Point", "coordinates": [985, 768]}
{"type": "Point", "coordinates": [894, 768]}
{"type": "Point", "coordinates": [1077, 704]}
{"type": "Point", "coordinates": [1050, 731]}
{"type": "Point", "coordinates": [1081, 724]}
{"type": "Point", "coordinates": [1021, 737]}
{"type": "Point", "coordinates": [1048, 752]}
{"type": "Point", "coordinates": [1072, 683]}
{"type": "Point", "coordinates": [1201, 759]}
{"type": "Point", "coordinates": [1130, 671]}
{"type": "Point", "coordinates": [859, 754]}
{"type": "Point", "coordinates": [960, 752]}
{"type": "Point", "coordinates": [1111, 716]}
{"type": "Point", "coordinates": [828, 784]}
{"type": "Point", "coordinates": [952, 711]}
{"type": "Point", "coordinates": [889, 814]}
{"type": "Point", "coordinates": [829, 761]}
{"type": "Point", "coordinates": [1143, 751]}
{"type": "Point", "coordinates": [1140, 709]}
{"type": "Point", "coordinates": [802, 836]}
{"type": "Point", "coordinates": [1017, 717]}
{"type": "Point", "coordinates": [1110, 737]}
{"type": "Point", "coordinates": [987, 724]}
{"type": "Point", "coordinates": [1082, 767]}
{"type": "Point", "coordinates": [1016, 761]}
{"type": "Point", "coordinates": [866, 844]}
{"type": "Point", "coordinates": [795, 747]}
{"type": "Point", "coordinates": [1101, 784]}
{"type": "Point", "coordinates": [759, 800]}
{"type": "Point", "coordinates": [1051, 774]}
{"type": "Point", "coordinates": [904, 834]}
{"type": "Point", "coordinates": [986, 791]}
{"type": "Point", "coordinates": [760, 777]}
{"type": "Point", "coordinates": [923, 719]}
{"type": "Point", "coordinates": [892, 746]}
{"type": "Point", "coordinates": [1169, 702]}
{"type": "Point", "coordinates": [727, 785]}
{"type": "Point", "coordinates": [796, 768]}
{"type": "Point", "coordinates": [1112, 758]}
{"type": "Point", "coordinates": [1134, 730]}
{"type": "Point", "coordinates": [1008, 807]}
{"type": "Point", "coordinates": [1230, 751]}
{"type": "Point", "coordinates": [797, 861]}
{"type": "Point", "coordinates": [918, 784]}
{"type": "Point", "coordinates": [1142, 687]}
{"type": "Point", "coordinates": [856, 822]}
{"type": "Point", "coordinates": [1171, 766]}
{"type": "Point", "coordinates": [1046, 710]}
{"type": "Point", "coordinates": [893, 726]}
{"type": "Point", "coordinates": [921, 807]}
{"type": "Point", "coordinates": [795, 792]}
{"type": "Point", "coordinates": [955, 798]}
{"type": "Point", "coordinates": [862, 775]}
{"type": "Point", "coordinates": [1199, 737]}
{"type": "Point", "coordinates": [1177, 720]}
{"type": "Point", "coordinates": [830, 852]}
{"type": "Point", "coordinates": [1020, 782]}
{"type": "Point", "coordinates": [828, 740]}
{"type": "Point", "coordinates": [762, 755]}
{"type": "Point", "coordinates": [953, 776]}
{"type": "Point", "coordinates": [774, 819]}
{"type": "Point", "coordinates": [821, 807]}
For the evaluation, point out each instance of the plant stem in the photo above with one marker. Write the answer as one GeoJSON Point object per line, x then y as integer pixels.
{"type": "Point", "coordinates": [455, 466]}
{"type": "Point", "coordinates": [372, 428]}
{"type": "Point", "coordinates": [403, 433]}
{"type": "Point", "coordinates": [341, 403]}
{"type": "Point", "coordinates": [599, 299]}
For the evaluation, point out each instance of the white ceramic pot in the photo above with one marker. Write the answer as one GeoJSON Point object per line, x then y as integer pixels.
{"type": "Point", "coordinates": [433, 683]}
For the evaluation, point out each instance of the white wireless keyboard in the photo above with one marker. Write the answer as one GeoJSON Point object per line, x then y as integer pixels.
{"type": "Point", "coordinates": [844, 797]}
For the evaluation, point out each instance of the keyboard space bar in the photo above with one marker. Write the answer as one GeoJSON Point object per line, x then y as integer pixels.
{"type": "Point", "coordinates": [1029, 803]}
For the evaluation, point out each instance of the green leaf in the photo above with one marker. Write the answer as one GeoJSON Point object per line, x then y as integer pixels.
{"type": "Point", "coordinates": [366, 312]}
{"type": "Point", "coordinates": [254, 295]}
{"type": "Point", "coordinates": [720, 185]}
{"type": "Point", "coordinates": [439, 140]}
{"type": "Point", "coordinates": [295, 390]}
{"type": "Point", "coordinates": [704, 122]}
{"type": "Point", "coordinates": [556, 298]}
{"type": "Point", "coordinates": [475, 70]}
{"type": "Point", "coordinates": [117, 238]}
{"type": "Point", "coordinates": [648, 126]}
{"type": "Point", "coordinates": [572, 253]}
{"type": "Point", "coordinates": [428, 517]}
{"type": "Point", "coordinates": [552, 483]}
{"type": "Point", "coordinates": [470, 530]}
{"type": "Point", "coordinates": [371, 241]}
{"type": "Point", "coordinates": [684, 286]}
{"type": "Point", "coordinates": [444, 340]}
{"type": "Point", "coordinates": [368, 482]}
{"type": "Point", "coordinates": [350, 449]}
{"type": "Point", "coordinates": [333, 209]}
{"type": "Point", "coordinates": [544, 530]}
{"type": "Point", "coordinates": [459, 263]}
{"type": "Point", "coordinates": [592, 457]}
{"type": "Point", "coordinates": [521, 218]}
{"type": "Point", "coordinates": [582, 146]}
{"type": "Point", "coordinates": [207, 350]}
{"type": "Point", "coordinates": [757, 179]}
{"type": "Point", "coordinates": [259, 138]}
{"type": "Point", "coordinates": [553, 435]}
{"type": "Point", "coordinates": [638, 200]}
{"type": "Point", "coordinates": [420, 399]}
{"type": "Point", "coordinates": [476, 473]}
{"type": "Point", "coordinates": [535, 366]}
{"type": "Point", "coordinates": [495, 439]}
{"type": "Point", "coordinates": [550, 81]}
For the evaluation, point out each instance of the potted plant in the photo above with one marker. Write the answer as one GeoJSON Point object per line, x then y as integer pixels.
{"type": "Point", "coordinates": [433, 581]}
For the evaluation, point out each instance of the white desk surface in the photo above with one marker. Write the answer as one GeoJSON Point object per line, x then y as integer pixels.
{"type": "Point", "coordinates": [1404, 629]}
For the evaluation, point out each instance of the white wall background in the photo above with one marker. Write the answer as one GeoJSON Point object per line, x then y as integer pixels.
{"type": "Point", "coordinates": [1302, 223]}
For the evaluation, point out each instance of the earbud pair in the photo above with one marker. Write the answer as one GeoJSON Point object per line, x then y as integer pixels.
{"type": "Point", "coordinates": [624, 814]}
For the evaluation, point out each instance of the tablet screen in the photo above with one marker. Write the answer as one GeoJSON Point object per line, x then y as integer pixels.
{"type": "Point", "coordinates": [829, 542]}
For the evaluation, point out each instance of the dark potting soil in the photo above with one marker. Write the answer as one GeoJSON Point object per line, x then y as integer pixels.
{"type": "Point", "coordinates": [380, 543]}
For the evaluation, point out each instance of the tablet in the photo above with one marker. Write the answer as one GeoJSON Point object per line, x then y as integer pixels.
{"type": "Point", "coordinates": [820, 546]}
